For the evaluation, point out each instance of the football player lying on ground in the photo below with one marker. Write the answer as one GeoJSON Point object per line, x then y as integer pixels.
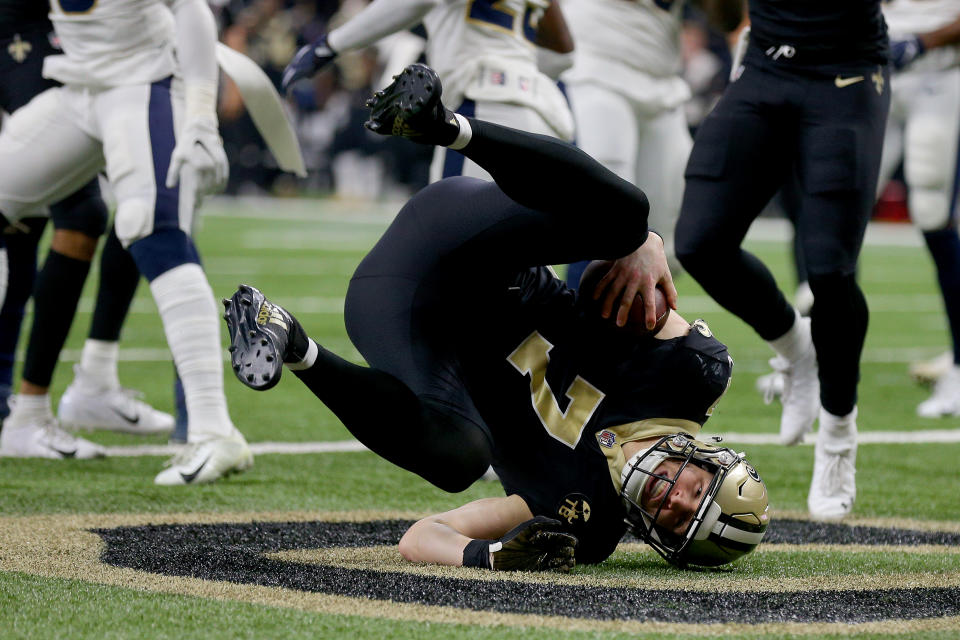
{"type": "Point", "coordinates": [590, 429]}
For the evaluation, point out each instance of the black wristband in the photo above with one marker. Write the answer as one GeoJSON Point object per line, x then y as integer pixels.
{"type": "Point", "coordinates": [477, 554]}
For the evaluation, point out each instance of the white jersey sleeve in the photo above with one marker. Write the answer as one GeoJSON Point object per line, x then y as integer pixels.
{"type": "Point", "coordinates": [906, 17]}
{"type": "Point", "coordinates": [108, 43]}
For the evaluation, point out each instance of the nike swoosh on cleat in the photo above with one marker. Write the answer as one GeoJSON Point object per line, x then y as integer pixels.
{"type": "Point", "coordinates": [189, 477]}
{"type": "Point", "coordinates": [134, 420]}
{"type": "Point", "coordinates": [846, 82]}
{"type": "Point", "coordinates": [65, 454]}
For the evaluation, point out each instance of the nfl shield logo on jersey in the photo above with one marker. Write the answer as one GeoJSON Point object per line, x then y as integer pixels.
{"type": "Point", "coordinates": [606, 438]}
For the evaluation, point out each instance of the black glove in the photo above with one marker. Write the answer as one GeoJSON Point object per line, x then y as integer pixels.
{"type": "Point", "coordinates": [308, 60]}
{"type": "Point", "coordinates": [535, 545]}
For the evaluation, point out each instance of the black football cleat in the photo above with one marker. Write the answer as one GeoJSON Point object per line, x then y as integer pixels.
{"type": "Point", "coordinates": [410, 107]}
{"type": "Point", "coordinates": [260, 337]}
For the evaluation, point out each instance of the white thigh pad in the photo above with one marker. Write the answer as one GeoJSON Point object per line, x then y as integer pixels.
{"type": "Point", "coordinates": [133, 220]}
{"type": "Point", "coordinates": [929, 164]}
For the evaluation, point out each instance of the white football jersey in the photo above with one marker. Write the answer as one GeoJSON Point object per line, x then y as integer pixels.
{"type": "Point", "coordinates": [484, 50]}
{"type": "Point", "coordinates": [641, 34]}
{"type": "Point", "coordinates": [109, 43]}
{"type": "Point", "coordinates": [905, 17]}
{"type": "Point", "coordinates": [631, 47]}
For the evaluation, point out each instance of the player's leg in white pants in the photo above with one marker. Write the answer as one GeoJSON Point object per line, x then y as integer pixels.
{"type": "Point", "coordinates": [448, 163]}
{"type": "Point", "coordinates": [931, 150]}
{"type": "Point", "coordinates": [137, 125]}
{"type": "Point", "coordinates": [663, 147]}
{"type": "Point", "coordinates": [47, 152]}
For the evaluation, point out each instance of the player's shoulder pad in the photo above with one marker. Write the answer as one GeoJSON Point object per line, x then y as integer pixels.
{"type": "Point", "coordinates": [702, 340]}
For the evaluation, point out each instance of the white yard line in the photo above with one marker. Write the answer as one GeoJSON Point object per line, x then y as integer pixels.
{"type": "Point", "coordinates": [352, 446]}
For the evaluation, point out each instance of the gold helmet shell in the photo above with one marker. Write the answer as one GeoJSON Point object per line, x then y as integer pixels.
{"type": "Point", "coordinates": [730, 520]}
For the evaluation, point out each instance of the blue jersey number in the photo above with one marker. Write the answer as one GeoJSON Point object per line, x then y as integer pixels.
{"type": "Point", "coordinates": [76, 6]}
{"type": "Point", "coordinates": [495, 14]}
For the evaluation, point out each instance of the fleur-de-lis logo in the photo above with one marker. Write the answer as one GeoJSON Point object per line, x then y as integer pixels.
{"type": "Point", "coordinates": [18, 49]}
{"type": "Point", "coordinates": [877, 78]}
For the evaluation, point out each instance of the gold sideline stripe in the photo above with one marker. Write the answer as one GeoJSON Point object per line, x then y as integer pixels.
{"type": "Point", "coordinates": [60, 546]}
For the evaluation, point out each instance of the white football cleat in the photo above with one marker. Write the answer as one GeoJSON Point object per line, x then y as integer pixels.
{"type": "Point", "coordinates": [833, 487]}
{"type": "Point", "coordinates": [208, 461]}
{"type": "Point", "coordinates": [801, 393]}
{"type": "Point", "coordinates": [945, 400]}
{"type": "Point", "coordinates": [770, 385]}
{"type": "Point", "coordinates": [32, 438]}
{"type": "Point", "coordinates": [929, 371]}
{"type": "Point", "coordinates": [84, 407]}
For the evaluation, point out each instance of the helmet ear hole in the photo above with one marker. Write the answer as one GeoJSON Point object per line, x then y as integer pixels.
{"type": "Point", "coordinates": [709, 520]}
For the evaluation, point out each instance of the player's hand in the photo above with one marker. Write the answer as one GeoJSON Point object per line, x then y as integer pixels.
{"type": "Point", "coordinates": [904, 52]}
{"type": "Point", "coordinates": [308, 60]}
{"type": "Point", "coordinates": [641, 271]}
{"type": "Point", "coordinates": [199, 146]}
{"type": "Point", "coordinates": [535, 545]}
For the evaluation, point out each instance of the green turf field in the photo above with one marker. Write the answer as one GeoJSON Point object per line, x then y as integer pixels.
{"type": "Point", "coordinates": [53, 582]}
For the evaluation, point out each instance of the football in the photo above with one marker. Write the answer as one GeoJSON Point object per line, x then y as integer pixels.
{"type": "Point", "coordinates": [635, 322]}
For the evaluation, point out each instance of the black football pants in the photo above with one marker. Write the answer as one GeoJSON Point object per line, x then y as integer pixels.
{"type": "Point", "coordinates": [824, 129]}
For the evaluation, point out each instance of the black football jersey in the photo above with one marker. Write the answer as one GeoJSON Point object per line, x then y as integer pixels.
{"type": "Point", "coordinates": [553, 382]}
{"type": "Point", "coordinates": [23, 16]}
{"type": "Point", "coordinates": [836, 30]}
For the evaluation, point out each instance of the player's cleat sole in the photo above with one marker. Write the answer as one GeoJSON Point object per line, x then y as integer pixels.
{"type": "Point", "coordinates": [800, 396]}
{"type": "Point", "coordinates": [206, 462]}
{"type": "Point", "coordinates": [259, 335]}
{"type": "Point", "coordinates": [410, 107]}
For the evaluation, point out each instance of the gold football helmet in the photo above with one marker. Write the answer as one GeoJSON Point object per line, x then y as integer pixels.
{"type": "Point", "coordinates": [730, 519]}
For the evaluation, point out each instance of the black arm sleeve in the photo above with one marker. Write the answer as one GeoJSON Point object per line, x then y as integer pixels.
{"type": "Point", "coordinates": [551, 175]}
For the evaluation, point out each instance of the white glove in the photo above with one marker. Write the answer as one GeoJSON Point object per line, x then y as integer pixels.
{"type": "Point", "coordinates": [199, 146]}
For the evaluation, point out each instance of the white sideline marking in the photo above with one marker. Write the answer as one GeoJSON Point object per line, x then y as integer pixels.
{"type": "Point", "coordinates": [258, 448]}
{"type": "Point", "coordinates": [352, 446]}
{"type": "Point", "coordinates": [926, 436]}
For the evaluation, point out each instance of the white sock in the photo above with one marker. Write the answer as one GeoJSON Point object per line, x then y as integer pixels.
{"type": "Point", "coordinates": [463, 137]}
{"type": "Point", "coordinates": [838, 430]}
{"type": "Point", "coordinates": [192, 324]}
{"type": "Point", "coordinates": [796, 342]}
{"type": "Point", "coordinates": [98, 366]}
{"type": "Point", "coordinates": [33, 406]}
{"type": "Point", "coordinates": [4, 274]}
{"type": "Point", "coordinates": [308, 359]}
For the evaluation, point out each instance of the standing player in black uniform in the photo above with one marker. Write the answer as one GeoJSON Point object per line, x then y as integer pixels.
{"type": "Point", "coordinates": [810, 103]}
{"type": "Point", "coordinates": [585, 425]}
{"type": "Point", "coordinates": [26, 38]}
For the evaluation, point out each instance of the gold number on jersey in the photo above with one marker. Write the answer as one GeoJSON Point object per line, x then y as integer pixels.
{"type": "Point", "coordinates": [531, 358]}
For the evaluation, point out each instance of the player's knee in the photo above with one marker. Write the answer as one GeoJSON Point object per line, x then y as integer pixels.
{"type": "Point", "coordinates": [162, 251]}
{"type": "Point", "coordinates": [133, 220]}
{"type": "Point", "coordinates": [82, 211]}
{"type": "Point", "coordinates": [74, 244]}
{"type": "Point", "coordinates": [929, 208]}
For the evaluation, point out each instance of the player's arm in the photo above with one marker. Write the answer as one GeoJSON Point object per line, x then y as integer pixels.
{"type": "Point", "coordinates": [492, 533]}
{"type": "Point", "coordinates": [198, 143]}
{"type": "Point", "coordinates": [377, 20]}
{"type": "Point", "coordinates": [905, 50]}
{"type": "Point", "coordinates": [554, 42]}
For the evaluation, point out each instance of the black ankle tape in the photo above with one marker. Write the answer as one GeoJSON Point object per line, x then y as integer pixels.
{"type": "Point", "coordinates": [477, 554]}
